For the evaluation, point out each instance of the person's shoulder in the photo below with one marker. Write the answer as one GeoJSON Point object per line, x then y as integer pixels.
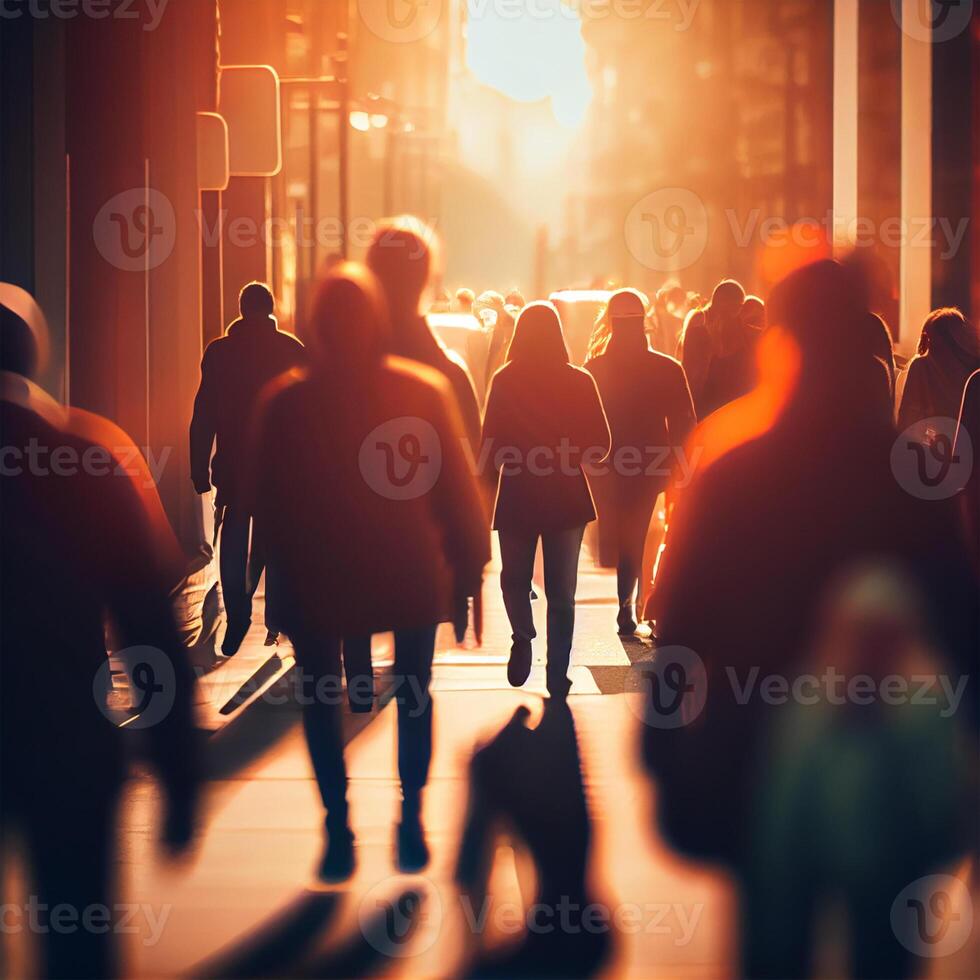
{"type": "Point", "coordinates": [284, 391]}
{"type": "Point", "coordinates": [217, 347]}
{"type": "Point", "coordinates": [580, 375]}
{"type": "Point", "coordinates": [664, 362]}
{"type": "Point", "coordinates": [414, 373]}
{"type": "Point", "coordinates": [290, 340]}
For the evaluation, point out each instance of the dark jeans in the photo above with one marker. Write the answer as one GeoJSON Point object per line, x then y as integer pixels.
{"type": "Point", "coordinates": [561, 551]}
{"type": "Point", "coordinates": [631, 522]}
{"type": "Point", "coordinates": [319, 658]}
{"type": "Point", "coordinates": [241, 563]}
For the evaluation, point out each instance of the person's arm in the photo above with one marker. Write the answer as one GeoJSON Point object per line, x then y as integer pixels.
{"type": "Point", "coordinates": [681, 417]}
{"type": "Point", "coordinates": [203, 426]}
{"type": "Point", "coordinates": [594, 434]}
{"type": "Point", "coordinates": [142, 614]}
{"type": "Point", "coordinates": [457, 503]}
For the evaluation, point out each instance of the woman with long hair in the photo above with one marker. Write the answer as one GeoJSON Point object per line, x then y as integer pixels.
{"type": "Point", "coordinates": [543, 420]}
{"type": "Point", "coordinates": [363, 543]}
{"type": "Point", "coordinates": [949, 352]}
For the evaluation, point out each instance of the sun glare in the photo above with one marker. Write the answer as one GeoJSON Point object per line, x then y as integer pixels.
{"type": "Point", "coordinates": [530, 53]}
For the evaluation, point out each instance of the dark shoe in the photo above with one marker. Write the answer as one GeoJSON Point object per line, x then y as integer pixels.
{"type": "Point", "coordinates": [337, 863]}
{"type": "Point", "coordinates": [413, 851]}
{"type": "Point", "coordinates": [625, 620]}
{"type": "Point", "coordinates": [234, 636]}
{"type": "Point", "coordinates": [271, 638]}
{"type": "Point", "coordinates": [559, 687]}
{"type": "Point", "coordinates": [519, 665]}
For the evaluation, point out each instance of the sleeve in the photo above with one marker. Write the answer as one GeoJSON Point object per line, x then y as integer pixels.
{"type": "Point", "coordinates": [141, 610]}
{"type": "Point", "coordinates": [681, 417]}
{"type": "Point", "coordinates": [595, 433]}
{"type": "Point", "coordinates": [203, 424]}
{"type": "Point", "coordinates": [457, 503]}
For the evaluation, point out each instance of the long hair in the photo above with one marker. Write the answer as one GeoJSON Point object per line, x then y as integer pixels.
{"type": "Point", "coordinates": [947, 326]}
{"type": "Point", "coordinates": [538, 338]}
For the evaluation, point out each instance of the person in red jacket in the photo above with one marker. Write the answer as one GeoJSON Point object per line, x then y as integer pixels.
{"type": "Point", "coordinates": [234, 371]}
{"type": "Point", "coordinates": [373, 516]}
{"type": "Point", "coordinates": [543, 420]}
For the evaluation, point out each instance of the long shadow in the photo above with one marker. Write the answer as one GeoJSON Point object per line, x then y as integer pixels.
{"type": "Point", "coordinates": [279, 945]}
{"type": "Point", "coordinates": [246, 738]}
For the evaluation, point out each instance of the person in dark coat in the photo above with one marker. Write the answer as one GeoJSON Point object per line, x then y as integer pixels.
{"type": "Point", "coordinates": [650, 413]}
{"type": "Point", "coordinates": [234, 371]}
{"type": "Point", "coordinates": [544, 419]}
{"type": "Point", "coordinates": [375, 521]}
{"type": "Point", "coordinates": [401, 257]}
{"type": "Point", "coordinates": [78, 548]}
{"type": "Point", "coordinates": [754, 544]}
{"type": "Point", "coordinates": [718, 351]}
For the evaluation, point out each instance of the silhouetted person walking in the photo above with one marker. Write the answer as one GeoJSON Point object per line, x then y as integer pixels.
{"type": "Point", "coordinates": [78, 548]}
{"type": "Point", "coordinates": [949, 352]}
{"type": "Point", "coordinates": [543, 419]}
{"type": "Point", "coordinates": [375, 520]}
{"type": "Point", "coordinates": [234, 371]}
{"type": "Point", "coordinates": [650, 414]}
{"type": "Point", "coordinates": [754, 543]}
{"type": "Point", "coordinates": [401, 257]}
{"type": "Point", "coordinates": [719, 350]}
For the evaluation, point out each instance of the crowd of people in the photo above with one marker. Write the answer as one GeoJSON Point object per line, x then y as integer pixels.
{"type": "Point", "coordinates": [792, 543]}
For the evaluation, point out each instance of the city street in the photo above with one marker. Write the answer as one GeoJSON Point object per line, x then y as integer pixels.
{"type": "Point", "coordinates": [247, 903]}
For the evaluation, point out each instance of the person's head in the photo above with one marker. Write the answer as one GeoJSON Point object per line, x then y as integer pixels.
{"type": "Point", "coordinates": [515, 298]}
{"type": "Point", "coordinates": [348, 326]}
{"type": "Point", "coordinates": [727, 297]}
{"type": "Point", "coordinates": [18, 346]}
{"type": "Point", "coordinates": [255, 301]}
{"type": "Point", "coordinates": [819, 306]}
{"type": "Point", "coordinates": [401, 257]}
{"type": "Point", "coordinates": [947, 327]}
{"type": "Point", "coordinates": [538, 340]}
{"type": "Point", "coordinates": [626, 313]}
{"type": "Point", "coordinates": [23, 333]}
{"type": "Point", "coordinates": [464, 299]}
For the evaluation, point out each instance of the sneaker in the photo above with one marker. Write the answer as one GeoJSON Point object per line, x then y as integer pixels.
{"type": "Point", "coordinates": [337, 863]}
{"type": "Point", "coordinates": [625, 621]}
{"type": "Point", "coordinates": [234, 637]}
{"type": "Point", "coordinates": [519, 665]}
{"type": "Point", "coordinates": [413, 851]}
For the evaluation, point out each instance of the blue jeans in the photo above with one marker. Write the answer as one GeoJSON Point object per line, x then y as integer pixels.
{"type": "Point", "coordinates": [561, 551]}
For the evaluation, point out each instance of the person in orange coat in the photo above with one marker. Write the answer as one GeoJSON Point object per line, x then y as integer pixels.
{"type": "Point", "coordinates": [374, 518]}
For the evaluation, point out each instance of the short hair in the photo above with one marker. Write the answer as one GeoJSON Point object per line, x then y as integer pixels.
{"type": "Point", "coordinates": [465, 296]}
{"type": "Point", "coordinates": [400, 255]}
{"type": "Point", "coordinates": [728, 292]}
{"type": "Point", "coordinates": [256, 299]}
{"type": "Point", "coordinates": [516, 298]}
